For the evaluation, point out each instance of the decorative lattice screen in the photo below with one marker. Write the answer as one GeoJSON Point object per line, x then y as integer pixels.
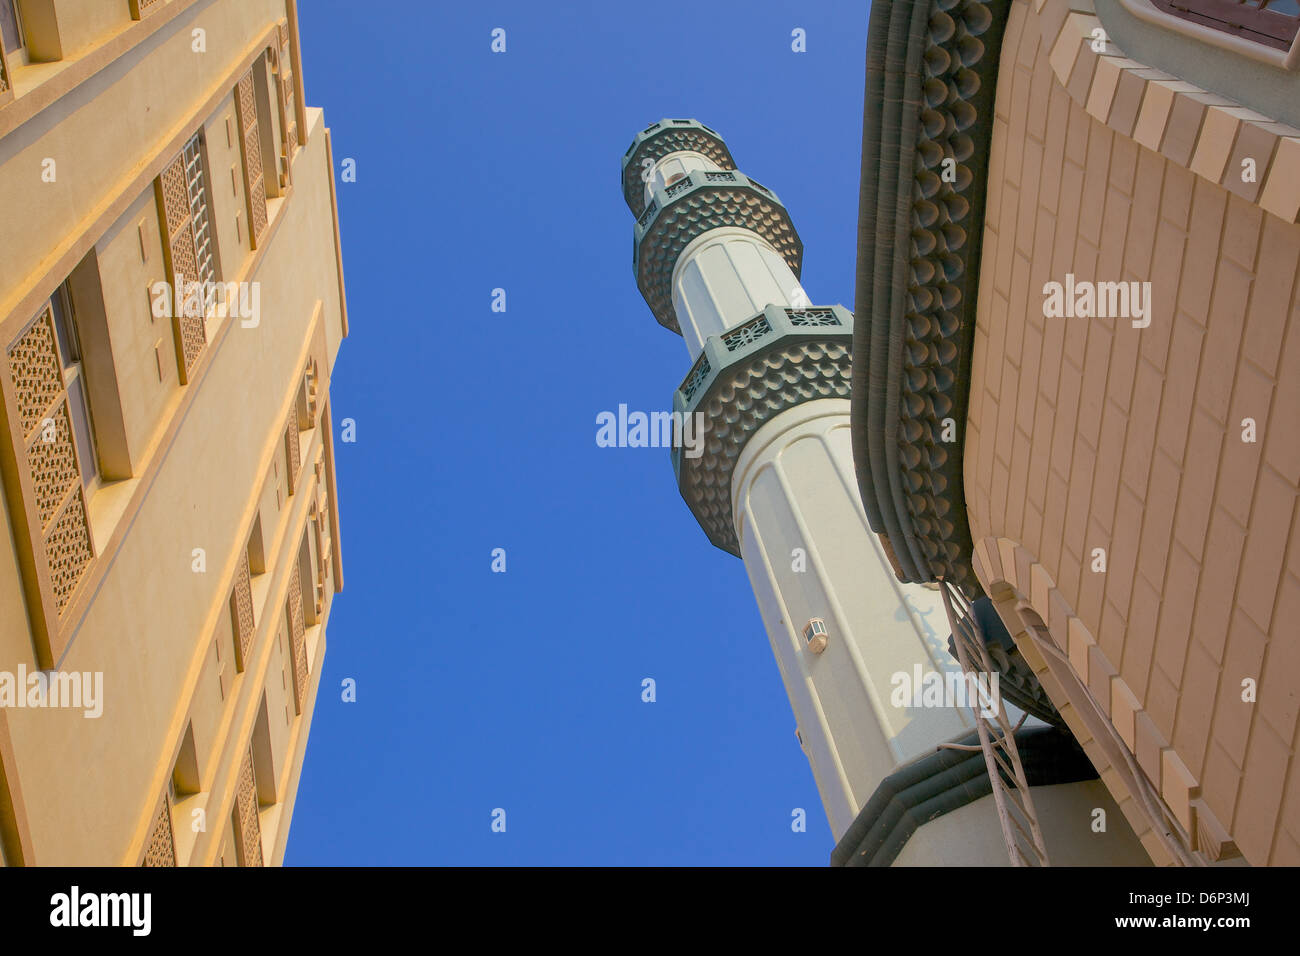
{"type": "Point", "coordinates": [241, 611]}
{"type": "Point", "coordinates": [287, 97]}
{"type": "Point", "coordinates": [162, 845]}
{"type": "Point", "coordinates": [297, 641]}
{"type": "Point", "coordinates": [50, 455]}
{"type": "Point", "coordinates": [248, 829]}
{"type": "Point", "coordinates": [182, 261]}
{"type": "Point", "coordinates": [142, 8]}
{"type": "Point", "coordinates": [251, 140]}
{"type": "Point", "coordinates": [291, 449]}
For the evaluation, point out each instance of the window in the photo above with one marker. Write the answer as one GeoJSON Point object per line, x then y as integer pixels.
{"type": "Point", "coordinates": [307, 578]}
{"type": "Point", "coordinates": [161, 848]}
{"type": "Point", "coordinates": [190, 248]}
{"type": "Point", "coordinates": [264, 777]}
{"type": "Point", "coordinates": [185, 772]}
{"type": "Point", "coordinates": [141, 8]}
{"type": "Point", "coordinates": [257, 548]}
{"type": "Point", "coordinates": [244, 816]}
{"type": "Point", "coordinates": [292, 450]}
{"type": "Point", "coordinates": [242, 621]}
{"type": "Point", "coordinates": [308, 396]}
{"type": "Point", "coordinates": [288, 104]}
{"type": "Point", "coordinates": [54, 447]}
{"type": "Point", "coordinates": [11, 853]}
{"type": "Point", "coordinates": [65, 330]}
{"type": "Point", "coordinates": [1272, 23]}
{"type": "Point", "coordinates": [294, 620]}
{"type": "Point", "coordinates": [250, 141]}
{"type": "Point", "coordinates": [10, 26]}
{"type": "Point", "coordinates": [196, 183]}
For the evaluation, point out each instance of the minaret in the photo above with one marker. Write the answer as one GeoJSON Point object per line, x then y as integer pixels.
{"type": "Point", "coordinates": [718, 261]}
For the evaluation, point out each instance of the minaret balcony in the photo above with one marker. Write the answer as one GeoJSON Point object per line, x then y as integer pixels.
{"type": "Point", "coordinates": [692, 206]}
{"type": "Point", "coordinates": [662, 139]}
{"type": "Point", "coordinates": [744, 378]}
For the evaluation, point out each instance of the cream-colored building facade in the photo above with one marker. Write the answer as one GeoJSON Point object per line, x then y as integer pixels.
{"type": "Point", "coordinates": [169, 523]}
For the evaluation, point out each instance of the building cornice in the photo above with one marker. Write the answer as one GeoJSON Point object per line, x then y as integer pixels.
{"type": "Point", "coordinates": [931, 73]}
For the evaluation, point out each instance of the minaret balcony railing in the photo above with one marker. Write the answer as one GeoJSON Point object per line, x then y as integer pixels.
{"type": "Point", "coordinates": [662, 139]}
{"type": "Point", "coordinates": [774, 325]}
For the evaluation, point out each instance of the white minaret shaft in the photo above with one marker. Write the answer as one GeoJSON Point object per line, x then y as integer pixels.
{"type": "Point", "coordinates": [727, 276]}
{"type": "Point", "coordinates": [715, 253]}
{"type": "Point", "coordinates": [670, 168]}
{"type": "Point", "coordinates": [810, 552]}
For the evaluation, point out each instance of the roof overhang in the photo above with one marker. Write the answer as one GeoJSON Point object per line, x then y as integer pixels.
{"type": "Point", "coordinates": [927, 128]}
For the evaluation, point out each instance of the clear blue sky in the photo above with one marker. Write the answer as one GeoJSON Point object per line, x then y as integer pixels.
{"type": "Point", "coordinates": [476, 430]}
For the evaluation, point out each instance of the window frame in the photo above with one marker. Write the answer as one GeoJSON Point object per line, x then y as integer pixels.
{"type": "Point", "coordinates": [1226, 39]}
{"type": "Point", "coordinates": [307, 559]}
{"type": "Point", "coordinates": [21, 47]}
{"type": "Point", "coordinates": [199, 193]}
{"type": "Point", "coordinates": [72, 368]}
{"type": "Point", "coordinates": [1249, 21]}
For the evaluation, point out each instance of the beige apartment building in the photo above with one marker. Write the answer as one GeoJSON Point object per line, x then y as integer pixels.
{"type": "Point", "coordinates": [1124, 479]}
{"type": "Point", "coordinates": [171, 305]}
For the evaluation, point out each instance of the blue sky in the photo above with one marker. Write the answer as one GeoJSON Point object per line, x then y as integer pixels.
{"type": "Point", "coordinates": [476, 430]}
